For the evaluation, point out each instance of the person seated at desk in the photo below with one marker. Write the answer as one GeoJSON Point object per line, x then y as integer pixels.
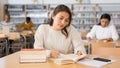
{"type": "Point", "coordinates": [104, 30]}
{"type": "Point", "coordinates": [59, 35]}
{"type": "Point", "coordinates": [27, 25]}
{"type": "Point", "coordinates": [7, 26]}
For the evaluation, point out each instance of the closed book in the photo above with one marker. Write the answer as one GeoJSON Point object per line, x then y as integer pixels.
{"type": "Point", "coordinates": [33, 55]}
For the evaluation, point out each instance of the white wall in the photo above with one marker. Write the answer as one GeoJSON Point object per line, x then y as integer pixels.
{"type": "Point", "coordinates": [57, 1]}
{"type": "Point", "coordinates": [105, 1]}
{"type": "Point", "coordinates": [46, 1]}
{"type": "Point", "coordinates": [40, 1]}
{"type": "Point", "coordinates": [4, 1]}
{"type": "Point", "coordinates": [24, 1]}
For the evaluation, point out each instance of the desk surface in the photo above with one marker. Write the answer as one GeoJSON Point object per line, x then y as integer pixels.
{"type": "Point", "coordinates": [12, 61]}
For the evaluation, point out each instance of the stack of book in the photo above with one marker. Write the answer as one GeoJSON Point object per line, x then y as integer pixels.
{"type": "Point", "coordinates": [33, 55]}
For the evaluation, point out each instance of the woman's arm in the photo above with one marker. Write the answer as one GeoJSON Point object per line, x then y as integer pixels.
{"type": "Point", "coordinates": [77, 41]}
{"type": "Point", "coordinates": [115, 35]}
{"type": "Point", "coordinates": [39, 37]}
{"type": "Point", "coordinates": [91, 34]}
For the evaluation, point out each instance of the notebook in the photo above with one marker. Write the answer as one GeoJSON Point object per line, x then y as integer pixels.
{"type": "Point", "coordinates": [33, 55]}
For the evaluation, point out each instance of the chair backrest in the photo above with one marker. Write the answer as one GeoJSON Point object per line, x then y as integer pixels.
{"type": "Point", "coordinates": [105, 49]}
{"type": "Point", "coordinates": [83, 34]}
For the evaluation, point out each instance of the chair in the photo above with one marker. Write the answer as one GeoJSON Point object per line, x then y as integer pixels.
{"type": "Point", "coordinates": [3, 44]}
{"type": "Point", "coordinates": [16, 41]}
{"type": "Point", "coordinates": [83, 34]}
{"type": "Point", "coordinates": [105, 49]}
{"type": "Point", "coordinates": [3, 47]}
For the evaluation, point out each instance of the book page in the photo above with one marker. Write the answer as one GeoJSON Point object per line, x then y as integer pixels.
{"type": "Point", "coordinates": [73, 57]}
{"type": "Point", "coordinates": [5, 30]}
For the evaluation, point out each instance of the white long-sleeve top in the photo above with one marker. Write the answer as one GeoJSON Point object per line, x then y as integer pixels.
{"type": "Point", "coordinates": [8, 25]}
{"type": "Point", "coordinates": [99, 32]}
{"type": "Point", "coordinates": [47, 37]}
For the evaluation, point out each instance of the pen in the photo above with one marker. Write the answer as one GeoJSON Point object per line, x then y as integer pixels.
{"type": "Point", "coordinates": [52, 47]}
{"type": "Point", "coordinates": [55, 53]}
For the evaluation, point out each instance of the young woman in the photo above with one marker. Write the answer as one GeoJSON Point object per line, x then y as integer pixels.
{"type": "Point", "coordinates": [104, 30]}
{"type": "Point", "coordinates": [58, 36]}
{"type": "Point", "coordinates": [7, 24]}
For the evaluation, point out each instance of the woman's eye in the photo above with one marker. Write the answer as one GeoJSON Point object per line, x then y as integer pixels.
{"type": "Point", "coordinates": [67, 21]}
{"type": "Point", "coordinates": [61, 18]}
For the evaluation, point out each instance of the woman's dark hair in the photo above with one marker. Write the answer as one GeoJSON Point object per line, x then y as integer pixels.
{"type": "Point", "coordinates": [106, 16]}
{"type": "Point", "coordinates": [61, 8]}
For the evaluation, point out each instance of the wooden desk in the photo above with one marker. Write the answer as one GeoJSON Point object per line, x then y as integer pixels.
{"type": "Point", "coordinates": [29, 38]}
{"type": "Point", "coordinates": [12, 61]}
{"type": "Point", "coordinates": [27, 33]}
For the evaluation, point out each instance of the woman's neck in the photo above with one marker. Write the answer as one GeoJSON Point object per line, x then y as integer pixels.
{"type": "Point", "coordinates": [55, 28]}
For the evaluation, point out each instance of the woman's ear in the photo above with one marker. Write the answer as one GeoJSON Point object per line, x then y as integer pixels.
{"type": "Point", "coordinates": [52, 16]}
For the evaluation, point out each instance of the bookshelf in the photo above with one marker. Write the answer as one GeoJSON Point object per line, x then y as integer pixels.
{"type": "Point", "coordinates": [17, 13]}
{"type": "Point", "coordinates": [84, 15]}
{"type": "Point", "coordinates": [38, 13]}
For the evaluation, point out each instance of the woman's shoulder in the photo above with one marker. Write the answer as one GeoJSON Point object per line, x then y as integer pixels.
{"type": "Point", "coordinates": [44, 26]}
{"type": "Point", "coordinates": [111, 25]}
{"type": "Point", "coordinates": [70, 27]}
{"type": "Point", "coordinates": [96, 25]}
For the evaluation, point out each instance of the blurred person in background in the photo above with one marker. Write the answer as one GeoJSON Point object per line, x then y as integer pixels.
{"type": "Point", "coordinates": [27, 25]}
{"type": "Point", "coordinates": [103, 30]}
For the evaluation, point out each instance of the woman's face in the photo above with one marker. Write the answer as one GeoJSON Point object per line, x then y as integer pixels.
{"type": "Point", "coordinates": [104, 22]}
{"type": "Point", "coordinates": [60, 20]}
{"type": "Point", "coordinates": [7, 18]}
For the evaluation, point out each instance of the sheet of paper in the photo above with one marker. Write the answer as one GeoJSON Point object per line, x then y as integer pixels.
{"type": "Point", "coordinates": [95, 63]}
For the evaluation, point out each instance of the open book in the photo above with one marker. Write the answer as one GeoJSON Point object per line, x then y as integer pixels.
{"type": "Point", "coordinates": [68, 58]}
{"type": "Point", "coordinates": [33, 55]}
{"type": "Point", "coordinates": [5, 30]}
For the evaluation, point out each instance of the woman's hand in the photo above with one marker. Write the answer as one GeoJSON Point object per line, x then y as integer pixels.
{"type": "Point", "coordinates": [80, 53]}
{"type": "Point", "coordinates": [89, 39]}
{"type": "Point", "coordinates": [54, 54]}
{"type": "Point", "coordinates": [107, 40]}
